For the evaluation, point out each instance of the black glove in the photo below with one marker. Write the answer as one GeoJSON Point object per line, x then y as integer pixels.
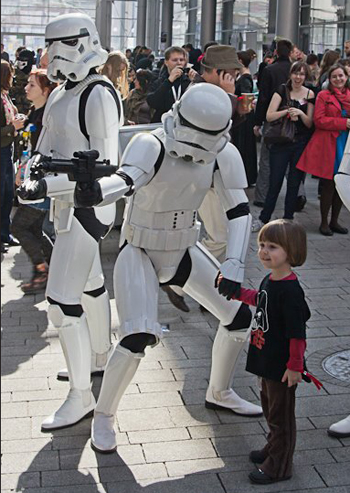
{"type": "Point", "coordinates": [87, 197]}
{"type": "Point", "coordinates": [33, 190]}
{"type": "Point", "coordinates": [229, 289]}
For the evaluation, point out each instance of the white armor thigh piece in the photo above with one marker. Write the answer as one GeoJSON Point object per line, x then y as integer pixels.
{"type": "Point", "coordinates": [200, 285]}
{"type": "Point", "coordinates": [71, 262]}
{"type": "Point", "coordinates": [136, 292]}
{"type": "Point", "coordinates": [215, 222]}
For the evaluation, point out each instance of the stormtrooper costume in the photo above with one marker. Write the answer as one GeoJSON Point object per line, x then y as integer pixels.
{"type": "Point", "coordinates": [83, 113]}
{"type": "Point", "coordinates": [341, 429]}
{"type": "Point", "coordinates": [167, 174]}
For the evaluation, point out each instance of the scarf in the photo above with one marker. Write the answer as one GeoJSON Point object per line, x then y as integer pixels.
{"type": "Point", "coordinates": [9, 107]}
{"type": "Point", "coordinates": [344, 98]}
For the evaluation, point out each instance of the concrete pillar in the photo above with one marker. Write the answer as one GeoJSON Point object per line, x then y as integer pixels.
{"type": "Point", "coordinates": [141, 22]}
{"type": "Point", "coordinates": [167, 23]}
{"type": "Point", "coordinates": [271, 28]}
{"type": "Point", "coordinates": [287, 19]}
{"type": "Point", "coordinates": [104, 21]}
{"type": "Point", "coordinates": [192, 22]}
{"type": "Point", "coordinates": [227, 21]}
{"type": "Point", "coordinates": [152, 28]}
{"type": "Point", "coordinates": [208, 21]}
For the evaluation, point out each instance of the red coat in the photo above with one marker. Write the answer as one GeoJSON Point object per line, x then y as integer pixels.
{"type": "Point", "coordinates": [319, 155]}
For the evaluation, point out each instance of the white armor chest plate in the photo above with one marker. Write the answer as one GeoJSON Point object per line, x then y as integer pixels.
{"type": "Point", "coordinates": [62, 122]}
{"type": "Point", "coordinates": [162, 215]}
{"type": "Point", "coordinates": [178, 186]}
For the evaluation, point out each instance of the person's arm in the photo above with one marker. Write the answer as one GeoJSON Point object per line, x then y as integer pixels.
{"type": "Point", "coordinates": [325, 122]}
{"type": "Point", "coordinates": [272, 112]}
{"type": "Point", "coordinates": [295, 364]}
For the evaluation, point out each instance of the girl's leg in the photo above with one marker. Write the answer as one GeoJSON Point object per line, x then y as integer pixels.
{"type": "Point", "coordinates": [281, 421]}
{"type": "Point", "coordinates": [294, 179]}
{"type": "Point", "coordinates": [278, 165]}
{"type": "Point", "coordinates": [326, 199]}
{"type": "Point", "coordinates": [336, 207]}
{"type": "Point", "coordinates": [27, 228]}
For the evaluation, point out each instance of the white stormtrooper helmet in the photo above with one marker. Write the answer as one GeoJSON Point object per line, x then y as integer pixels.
{"type": "Point", "coordinates": [73, 47]}
{"type": "Point", "coordinates": [197, 127]}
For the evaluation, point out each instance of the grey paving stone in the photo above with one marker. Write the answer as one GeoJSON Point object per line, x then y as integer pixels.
{"type": "Point", "coordinates": [192, 416]}
{"type": "Point", "coordinates": [173, 386]}
{"type": "Point", "coordinates": [154, 436]}
{"type": "Point", "coordinates": [231, 430]}
{"type": "Point", "coordinates": [334, 474]}
{"type": "Point", "coordinates": [203, 466]}
{"type": "Point", "coordinates": [26, 445]}
{"type": "Point", "coordinates": [147, 419]}
{"type": "Point", "coordinates": [341, 454]}
{"type": "Point", "coordinates": [179, 450]}
{"type": "Point", "coordinates": [46, 460]}
{"type": "Point", "coordinates": [137, 472]}
{"type": "Point", "coordinates": [16, 482]}
{"type": "Point", "coordinates": [68, 478]}
{"type": "Point", "coordinates": [238, 445]}
{"type": "Point", "coordinates": [150, 400]}
{"type": "Point", "coordinates": [12, 429]}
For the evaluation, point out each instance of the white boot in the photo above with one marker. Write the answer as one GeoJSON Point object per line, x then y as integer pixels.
{"type": "Point", "coordinates": [75, 341]}
{"type": "Point", "coordinates": [98, 313]}
{"type": "Point", "coordinates": [341, 429]}
{"type": "Point", "coordinates": [120, 370]}
{"type": "Point", "coordinates": [226, 350]}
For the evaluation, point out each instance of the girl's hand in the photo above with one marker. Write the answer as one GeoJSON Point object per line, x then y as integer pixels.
{"type": "Point", "coordinates": [293, 112]}
{"type": "Point", "coordinates": [18, 123]}
{"type": "Point", "coordinates": [348, 123]}
{"type": "Point", "coordinates": [293, 377]}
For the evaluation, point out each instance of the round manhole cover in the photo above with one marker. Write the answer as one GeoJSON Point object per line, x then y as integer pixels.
{"type": "Point", "coordinates": [338, 365]}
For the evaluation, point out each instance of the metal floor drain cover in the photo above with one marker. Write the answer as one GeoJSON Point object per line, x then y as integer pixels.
{"type": "Point", "coordinates": [338, 365]}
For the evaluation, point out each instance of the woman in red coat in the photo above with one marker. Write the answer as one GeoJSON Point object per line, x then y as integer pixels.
{"type": "Point", "coordinates": [324, 152]}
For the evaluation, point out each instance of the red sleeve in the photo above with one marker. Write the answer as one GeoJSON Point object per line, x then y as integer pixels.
{"type": "Point", "coordinates": [296, 355]}
{"type": "Point", "coordinates": [323, 121]}
{"type": "Point", "coordinates": [248, 296]}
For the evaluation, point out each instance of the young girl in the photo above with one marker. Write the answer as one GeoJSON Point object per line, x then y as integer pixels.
{"type": "Point", "coordinates": [277, 344]}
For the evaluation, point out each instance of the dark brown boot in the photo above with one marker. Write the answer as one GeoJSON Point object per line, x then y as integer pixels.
{"type": "Point", "coordinates": [177, 300]}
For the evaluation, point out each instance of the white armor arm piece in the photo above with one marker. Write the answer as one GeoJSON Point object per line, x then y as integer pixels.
{"type": "Point", "coordinates": [136, 170]}
{"type": "Point", "coordinates": [342, 179]}
{"type": "Point", "coordinates": [229, 182]}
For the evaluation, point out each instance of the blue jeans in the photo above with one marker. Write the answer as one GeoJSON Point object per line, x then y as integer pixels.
{"type": "Point", "coordinates": [7, 191]}
{"type": "Point", "coordinates": [280, 158]}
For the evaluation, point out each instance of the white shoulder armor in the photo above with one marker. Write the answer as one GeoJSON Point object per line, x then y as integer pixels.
{"type": "Point", "coordinates": [142, 152]}
{"type": "Point", "coordinates": [231, 168]}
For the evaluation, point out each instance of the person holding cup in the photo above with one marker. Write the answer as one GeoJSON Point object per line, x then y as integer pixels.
{"type": "Point", "coordinates": [243, 137]}
{"type": "Point", "coordinates": [11, 123]}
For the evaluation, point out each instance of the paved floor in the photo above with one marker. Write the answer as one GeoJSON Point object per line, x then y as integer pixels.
{"type": "Point", "coordinates": [167, 440]}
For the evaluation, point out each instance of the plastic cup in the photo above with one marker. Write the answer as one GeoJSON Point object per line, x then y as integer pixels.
{"type": "Point", "coordinates": [247, 101]}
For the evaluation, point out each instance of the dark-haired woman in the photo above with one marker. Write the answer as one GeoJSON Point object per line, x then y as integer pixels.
{"type": "Point", "coordinates": [243, 135]}
{"type": "Point", "coordinates": [11, 123]}
{"type": "Point", "coordinates": [299, 107]}
{"type": "Point", "coordinates": [136, 108]}
{"type": "Point", "coordinates": [27, 224]}
{"type": "Point", "coordinates": [325, 150]}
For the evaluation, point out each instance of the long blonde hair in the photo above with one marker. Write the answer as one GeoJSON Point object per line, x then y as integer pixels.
{"type": "Point", "coordinates": [117, 75]}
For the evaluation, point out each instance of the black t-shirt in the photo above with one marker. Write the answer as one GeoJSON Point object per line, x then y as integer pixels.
{"type": "Point", "coordinates": [301, 129]}
{"type": "Point", "coordinates": [281, 314]}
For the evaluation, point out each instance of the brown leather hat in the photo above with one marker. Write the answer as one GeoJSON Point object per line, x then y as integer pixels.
{"type": "Point", "coordinates": [221, 56]}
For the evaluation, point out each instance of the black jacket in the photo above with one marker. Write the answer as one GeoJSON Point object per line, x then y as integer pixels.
{"type": "Point", "coordinates": [161, 96]}
{"type": "Point", "coordinates": [271, 78]}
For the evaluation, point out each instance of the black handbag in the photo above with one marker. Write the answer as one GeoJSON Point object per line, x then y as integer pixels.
{"type": "Point", "coordinates": [281, 131]}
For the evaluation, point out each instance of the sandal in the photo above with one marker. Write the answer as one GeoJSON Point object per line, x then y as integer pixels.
{"type": "Point", "coordinates": [38, 282]}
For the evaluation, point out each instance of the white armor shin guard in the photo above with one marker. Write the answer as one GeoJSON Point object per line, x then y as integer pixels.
{"type": "Point", "coordinates": [226, 350]}
{"type": "Point", "coordinates": [119, 372]}
{"type": "Point", "coordinates": [98, 313]}
{"type": "Point", "coordinates": [75, 341]}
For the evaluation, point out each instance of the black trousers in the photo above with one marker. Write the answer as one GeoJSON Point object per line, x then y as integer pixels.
{"type": "Point", "coordinates": [27, 227]}
{"type": "Point", "coordinates": [278, 403]}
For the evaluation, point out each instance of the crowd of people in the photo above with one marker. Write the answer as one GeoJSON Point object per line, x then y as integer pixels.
{"type": "Point", "coordinates": [308, 94]}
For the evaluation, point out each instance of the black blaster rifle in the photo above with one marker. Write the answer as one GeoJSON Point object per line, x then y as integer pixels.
{"type": "Point", "coordinates": [83, 168]}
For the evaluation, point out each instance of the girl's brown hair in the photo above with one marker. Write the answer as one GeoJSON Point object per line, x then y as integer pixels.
{"type": "Point", "coordinates": [329, 58]}
{"type": "Point", "coordinates": [43, 80]}
{"type": "Point", "coordinates": [118, 76]}
{"type": "Point", "coordinates": [6, 75]}
{"type": "Point", "coordinates": [290, 235]}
